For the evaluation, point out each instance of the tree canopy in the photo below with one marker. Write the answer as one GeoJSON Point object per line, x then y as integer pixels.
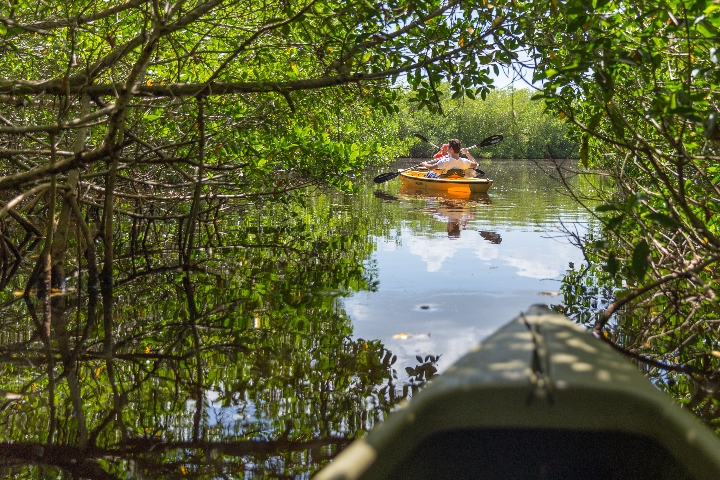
{"type": "Point", "coordinates": [133, 136]}
{"type": "Point", "coordinates": [270, 77]}
{"type": "Point", "coordinates": [164, 111]}
{"type": "Point", "coordinates": [641, 82]}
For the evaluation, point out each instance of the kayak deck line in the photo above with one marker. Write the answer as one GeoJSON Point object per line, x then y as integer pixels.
{"type": "Point", "coordinates": [540, 398]}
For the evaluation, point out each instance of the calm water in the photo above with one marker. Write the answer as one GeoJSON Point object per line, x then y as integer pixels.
{"type": "Point", "coordinates": [466, 266]}
{"type": "Point", "coordinates": [307, 321]}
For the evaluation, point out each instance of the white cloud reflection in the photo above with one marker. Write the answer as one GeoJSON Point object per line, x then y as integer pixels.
{"type": "Point", "coordinates": [545, 259]}
{"type": "Point", "coordinates": [532, 267]}
{"type": "Point", "coordinates": [435, 251]}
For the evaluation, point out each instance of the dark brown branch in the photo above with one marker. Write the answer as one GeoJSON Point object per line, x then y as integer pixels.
{"type": "Point", "coordinates": [42, 27]}
{"type": "Point", "coordinates": [64, 457]}
{"type": "Point", "coordinates": [604, 317]}
{"type": "Point", "coordinates": [226, 88]}
{"type": "Point", "coordinates": [688, 370]}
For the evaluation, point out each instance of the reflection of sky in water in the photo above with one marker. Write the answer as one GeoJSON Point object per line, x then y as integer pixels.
{"type": "Point", "coordinates": [471, 284]}
{"type": "Point", "coordinates": [245, 415]}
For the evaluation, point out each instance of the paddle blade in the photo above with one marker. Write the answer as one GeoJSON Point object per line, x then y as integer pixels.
{"type": "Point", "coordinates": [424, 139]}
{"type": "Point", "coordinates": [492, 140]}
{"type": "Point", "coordinates": [384, 177]}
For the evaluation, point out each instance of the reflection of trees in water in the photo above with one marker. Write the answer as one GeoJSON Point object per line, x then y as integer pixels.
{"type": "Point", "coordinates": [385, 196]}
{"type": "Point", "coordinates": [232, 358]}
{"type": "Point", "coordinates": [455, 209]}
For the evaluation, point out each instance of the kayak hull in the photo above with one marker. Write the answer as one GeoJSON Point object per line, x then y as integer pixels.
{"type": "Point", "coordinates": [541, 398]}
{"type": "Point", "coordinates": [416, 179]}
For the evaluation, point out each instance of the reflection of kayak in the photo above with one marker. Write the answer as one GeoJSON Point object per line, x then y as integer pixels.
{"type": "Point", "coordinates": [416, 179]}
{"type": "Point", "coordinates": [541, 398]}
{"type": "Point", "coordinates": [408, 191]}
{"type": "Point", "coordinates": [450, 206]}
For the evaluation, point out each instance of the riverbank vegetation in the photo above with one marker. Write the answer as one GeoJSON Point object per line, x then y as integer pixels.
{"type": "Point", "coordinates": [134, 136]}
{"type": "Point", "coordinates": [643, 89]}
{"type": "Point", "coordinates": [528, 130]}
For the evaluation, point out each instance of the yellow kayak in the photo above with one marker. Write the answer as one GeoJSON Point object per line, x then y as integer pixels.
{"type": "Point", "coordinates": [453, 184]}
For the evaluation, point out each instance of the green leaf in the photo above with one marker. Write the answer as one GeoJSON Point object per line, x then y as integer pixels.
{"type": "Point", "coordinates": [663, 220]}
{"type": "Point", "coordinates": [639, 262]}
{"type": "Point", "coordinates": [594, 121]}
{"type": "Point", "coordinates": [612, 265]}
{"type": "Point", "coordinates": [614, 222]}
{"type": "Point", "coordinates": [607, 208]}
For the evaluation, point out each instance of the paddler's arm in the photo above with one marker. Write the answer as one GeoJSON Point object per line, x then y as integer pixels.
{"type": "Point", "coordinates": [429, 165]}
{"type": "Point", "coordinates": [465, 152]}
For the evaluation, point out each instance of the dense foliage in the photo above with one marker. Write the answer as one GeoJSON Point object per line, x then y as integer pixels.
{"type": "Point", "coordinates": [641, 81]}
{"type": "Point", "coordinates": [529, 132]}
{"type": "Point", "coordinates": [134, 133]}
{"type": "Point", "coordinates": [134, 136]}
{"type": "Point", "coordinates": [245, 365]}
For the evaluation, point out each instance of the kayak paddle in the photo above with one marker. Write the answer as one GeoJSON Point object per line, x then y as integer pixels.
{"type": "Point", "coordinates": [424, 139]}
{"type": "Point", "coordinates": [491, 140]}
{"type": "Point", "coordinates": [384, 177]}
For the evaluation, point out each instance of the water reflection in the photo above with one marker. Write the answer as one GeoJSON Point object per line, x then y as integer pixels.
{"type": "Point", "coordinates": [477, 260]}
{"type": "Point", "coordinates": [454, 208]}
{"type": "Point", "coordinates": [492, 237]}
{"type": "Point", "coordinates": [273, 343]}
{"type": "Point", "coordinates": [384, 196]}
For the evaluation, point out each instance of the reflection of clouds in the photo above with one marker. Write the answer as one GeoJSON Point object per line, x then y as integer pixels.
{"type": "Point", "coordinates": [386, 246]}
{"type": "Point", "coordinates": [450, 347]}
{"type": "Point", "coordinates": [434, 252]}
{"type": "Point", "coordinates": [531, 267]}
{"type": "Point", "coordinates": [357, 308]}
{"type": "Point", "coordinates": [430, 252]}
{"type": "Point", "coordinates": [538, 260]}
{"type": "Point", "coordinates": [485, 251]}
{"type": "Point", "coordinates": [549, 262]}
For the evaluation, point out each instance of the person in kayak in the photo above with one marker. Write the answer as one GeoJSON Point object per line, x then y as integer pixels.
{"type": "Point", "coordinates": [442, 152]}
{"type": "Point", "coordinates": [452, 161]}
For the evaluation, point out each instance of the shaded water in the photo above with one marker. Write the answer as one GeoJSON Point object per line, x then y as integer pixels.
{"type": "Point", "coordinates": [296, 330]}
